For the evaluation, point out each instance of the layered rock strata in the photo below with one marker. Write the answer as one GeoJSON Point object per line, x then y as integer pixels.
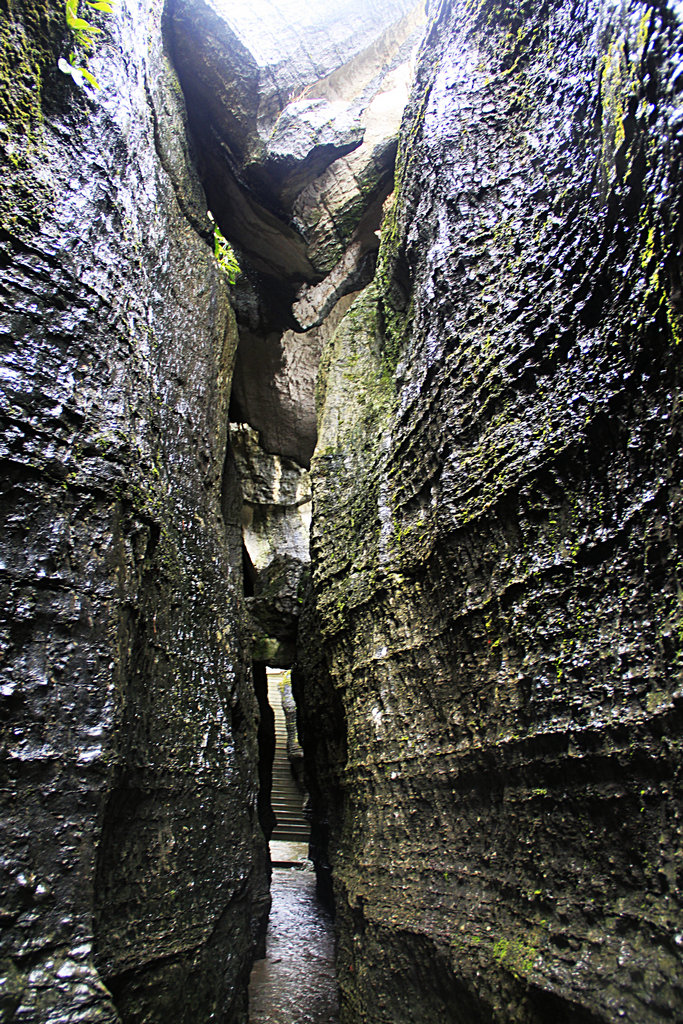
{"type": "Point", "coordinates": [494, 631]}
{"type": "Point", "coordinates": [133, 867]}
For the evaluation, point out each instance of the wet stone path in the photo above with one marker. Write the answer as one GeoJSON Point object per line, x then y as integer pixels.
{"type": "Point", "coordinates": [295, 984]}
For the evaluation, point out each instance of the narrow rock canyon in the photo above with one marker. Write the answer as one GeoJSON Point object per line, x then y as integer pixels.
{"type": "Point", "coordinates": [419, 443]}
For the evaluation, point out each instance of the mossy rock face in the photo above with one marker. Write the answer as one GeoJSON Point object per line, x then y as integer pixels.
{"type": "Point", "coordinates": [128, 714]}
{"type": "Point", "coordinates": [495, 617]}
{"type": "Point", "coordinates": [30, 38]}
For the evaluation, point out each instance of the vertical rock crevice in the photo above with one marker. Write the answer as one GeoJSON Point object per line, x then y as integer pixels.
{"type": "Point", "coordinates": [482, 419]}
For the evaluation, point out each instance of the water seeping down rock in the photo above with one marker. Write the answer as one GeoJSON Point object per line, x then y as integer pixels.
{"type": "Point", "coordinates": [489, 669]}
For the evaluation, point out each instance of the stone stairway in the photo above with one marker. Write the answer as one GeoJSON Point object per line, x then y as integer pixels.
{"type": "Point", "coordinates": [286, 798]}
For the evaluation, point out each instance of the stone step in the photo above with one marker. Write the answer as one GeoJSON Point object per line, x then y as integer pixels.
{"type": "Point", "coordinates": [293, 800]}
{"type": "Point", "coordinates": [285, 786]}
{"type": "Point", "coordinates": [288, 813]}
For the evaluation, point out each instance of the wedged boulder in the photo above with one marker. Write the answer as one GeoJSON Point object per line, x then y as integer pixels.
{"type": "Point", "coordinates": [279, 105]}
{"type": "Point", "coordinates": [295, 118]}
{"type": "Point", "coordinates": [275, 381]}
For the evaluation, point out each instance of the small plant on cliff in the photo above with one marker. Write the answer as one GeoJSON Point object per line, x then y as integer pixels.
{"type": "Point", "coordinates": [82, 32]}
{"type": "Point", "coordinates": [225, 255]}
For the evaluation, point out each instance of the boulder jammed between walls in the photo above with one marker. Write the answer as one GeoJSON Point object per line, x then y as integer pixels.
{"type": "Point", "coordinates": [495, 624]}
{"type": "Point", "coordinates": [294, 112]}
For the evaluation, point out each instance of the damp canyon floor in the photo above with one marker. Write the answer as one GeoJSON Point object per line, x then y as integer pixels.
{"type": "Point", "coordinates": [295, 983]}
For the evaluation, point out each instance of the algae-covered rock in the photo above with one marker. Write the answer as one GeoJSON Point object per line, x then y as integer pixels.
{"type": "Point", "coordinates": [496, 612]}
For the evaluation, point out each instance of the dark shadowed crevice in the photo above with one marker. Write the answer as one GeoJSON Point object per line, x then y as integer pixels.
{"type": "Point", "coordinates": [231, 508]}
{"type": "Point", "coordinates": [266, 748]}
{"type": "Point", "coordinates": [248, 572]}
{"type": "Point", "coordinates": [323, 732]}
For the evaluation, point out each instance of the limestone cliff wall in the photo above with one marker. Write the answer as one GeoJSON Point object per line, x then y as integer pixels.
{"type": "Point", "coordinates": [132, 857]}
{"type": "Point", "coordinates": [495, 626]}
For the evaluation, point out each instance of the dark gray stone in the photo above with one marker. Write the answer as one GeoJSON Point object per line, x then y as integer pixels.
{"type": "Point", "coordinates": [495, 626]}
{"type": "Point", "coordinates": [132, 856]}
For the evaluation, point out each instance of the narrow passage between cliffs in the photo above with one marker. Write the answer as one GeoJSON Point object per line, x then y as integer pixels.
{"type": "Point", "coordinates": [295, 983]}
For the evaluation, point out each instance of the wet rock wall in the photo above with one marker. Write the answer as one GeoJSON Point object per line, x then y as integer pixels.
{"type": "Point", "coordinates": [496, 602]}
{"type": "Point", "coordinates": [133, 867]}
{"type": "Point", "coordinates": [275, 521]}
